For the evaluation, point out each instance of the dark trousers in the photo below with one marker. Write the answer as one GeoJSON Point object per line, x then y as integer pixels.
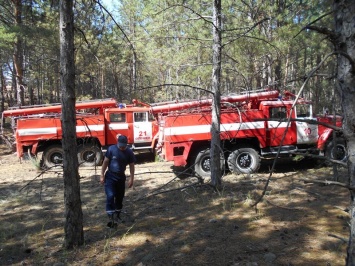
{"type": "Point", "coordinates": [115, 191]}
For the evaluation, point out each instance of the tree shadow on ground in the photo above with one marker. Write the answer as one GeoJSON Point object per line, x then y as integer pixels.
{"type": "Point", "coordinates": [169, 222]}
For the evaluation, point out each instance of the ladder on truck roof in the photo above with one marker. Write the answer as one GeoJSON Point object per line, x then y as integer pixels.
{"type": "Point", "coordinates": [252, 96]}
{"type": "Point", "coordinates": [56, 104]}
{"type": "Point", "coordinates": [57, 108]}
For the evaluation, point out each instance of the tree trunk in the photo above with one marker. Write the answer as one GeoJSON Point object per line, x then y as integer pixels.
{"type": "Point", "coordinates": [344, 11]}
{"type": "Point", "coordinates": [134, 73]}
{"type": "Point", "coordinates": [73, 228]}
{"type": "Point", "coordinates": [216, 102]}
{"type": "Point", "coordinates": [18, 54]}
{"type": "Point", "coordinates": [2, 89]}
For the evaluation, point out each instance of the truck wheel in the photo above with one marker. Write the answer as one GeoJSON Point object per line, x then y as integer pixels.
{"type": "Point", "coordinates": [89, 155]}
{"type": "Point", "coordinates": [244, 161]}
{"type": "Point", "coordinates": [53, 156]}
{"type": "Point", "coordinates": [337, 152]}
{"type": "Point", "coordinates": [202, 163]}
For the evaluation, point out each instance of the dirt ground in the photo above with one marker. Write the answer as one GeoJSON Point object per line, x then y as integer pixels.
{"type": "Point", "coordinates": [171, 221]}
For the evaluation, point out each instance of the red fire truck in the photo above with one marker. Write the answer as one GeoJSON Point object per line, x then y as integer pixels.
{"type": "Point", "coordinates": [252, 127]}
{"type": "Point", "coordinates": [38, 129]}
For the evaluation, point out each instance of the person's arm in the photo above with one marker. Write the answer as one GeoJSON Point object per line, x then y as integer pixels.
{"type": "Point", "coordinates": [103, 170]}
{"type": "Point", "coordinates": [131, 177]}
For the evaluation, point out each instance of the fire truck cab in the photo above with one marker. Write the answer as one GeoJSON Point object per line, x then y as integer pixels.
{"type": "Point", "coordinates": [137, 123]}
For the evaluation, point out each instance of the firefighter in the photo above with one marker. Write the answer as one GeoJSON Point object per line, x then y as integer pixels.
{"type": "Point", "coordinates": [113, 177]}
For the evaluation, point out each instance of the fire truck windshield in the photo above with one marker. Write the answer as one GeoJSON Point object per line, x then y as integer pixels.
{"type": "Point", "coordinates": [304, 110]}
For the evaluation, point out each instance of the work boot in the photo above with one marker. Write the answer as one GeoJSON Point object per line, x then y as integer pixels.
{"type": "Point", "coordinates": [118, 218]}
{"type": "Point", "coordinates": [111, 223]}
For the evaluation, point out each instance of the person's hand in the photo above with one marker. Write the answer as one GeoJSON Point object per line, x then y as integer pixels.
{"type": "Point", "coordinates": [130, 183]}
{"type": "Point", "coordinates": [102, 179]}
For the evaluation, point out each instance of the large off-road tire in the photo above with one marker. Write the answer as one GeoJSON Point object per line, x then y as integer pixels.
{"type": "Point", "coordinates": [336, 150]}
{"type": "Point", "coordinates": [52, 156]}
{"type": "Point", "coordinates": [89, 155]}
{"type": "Point", "coordinates": [202, 163]}
{"type": "Point", "coordinates": [244, 161]}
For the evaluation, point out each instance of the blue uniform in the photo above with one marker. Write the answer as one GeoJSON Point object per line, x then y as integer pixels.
{"type": "Point", "coordinates": [115, 177]}
{"type": "Point", "coordinates": [119, 159]}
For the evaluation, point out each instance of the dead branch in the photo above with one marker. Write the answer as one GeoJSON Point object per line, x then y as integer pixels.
{"type": "Point", "coordinates": [314, 21]}
{"type": "Point", "coordinates": [171, 190]}
{"type": "Point", "coordinates": [200, 181]}
{"type": "Point", "coordinates": [342, 209]}
{"type": "Point", "coordinates": [188, 8]}
{"type": "Point", "coordinates": [254, 38]}
{"type": "Point", "coordinates": [282, 207]}
{"type": "Point", "coordinates": [338, 237]}
{"type": "Point", "coordinates": [320, 157]}
{"type": "Point", "coordinates": [323, 30]}
{"type": "Point", "coordinates": [174, 84]}
{"type": "Point", "coordinates": [309, 192]}
{"type": "Point", "coordinates": [326, 182]}
{"type": "Point", "coordinates": [118, 26]}
{"type": "Point", "coordinates": [40, 174]}
{"type": "Point", "coordinates": [250, 28]}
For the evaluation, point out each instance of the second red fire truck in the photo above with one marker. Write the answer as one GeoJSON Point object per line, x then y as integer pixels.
{"type": "Point", "coordinates": [252, 126]}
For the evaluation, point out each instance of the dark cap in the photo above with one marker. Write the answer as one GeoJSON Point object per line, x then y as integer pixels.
{"type": "Point", "coordinates": [122, 141]}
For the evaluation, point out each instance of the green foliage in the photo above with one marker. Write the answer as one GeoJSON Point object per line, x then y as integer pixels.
{"type": "Point", "coordinates": [6, 38]}
{"type": "Point", "coordinates": [169, 44]}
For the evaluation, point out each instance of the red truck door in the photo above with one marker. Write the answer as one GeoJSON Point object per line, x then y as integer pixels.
{"type": "Point", "coordinates": [116, 123]}
{"type": "Point", "coordinates": [277, 125]}
{"type": "Point", "coordinates": [142, 129]}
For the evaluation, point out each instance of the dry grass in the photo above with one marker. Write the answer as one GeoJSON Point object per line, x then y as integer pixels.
{"type": "Point", "coordinates": [296, 223]}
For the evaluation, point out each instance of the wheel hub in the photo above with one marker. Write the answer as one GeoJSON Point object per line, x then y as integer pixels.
{"type": "Point", "coordinates": [244, 160]}
{"type": "Point", "coordinates": [57, 158]}
{"type": "Point", "coordinates": [339, 152]}
{"type": "Point", "coordinates": [89, 156]}
{"type": "Point", "coordinates": [206, 165]}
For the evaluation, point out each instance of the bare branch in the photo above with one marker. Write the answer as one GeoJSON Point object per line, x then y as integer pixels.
{"type": "Point", "coordinates": [193, 11]}
{"type": "Point", "coordinates": [83, 34]}
{"type": "Point", "coordinates": [344, 240]}
{"type": "Point", "coordinates": [314, 21]}
{"type": "Point", "coordinates": [120, 28]}
{"type": "Point", "coordinates": [253, 37]}
{"type": "Point", "coordinates": [331, 35]}
{"type": "Point", "coordinates": [320, 157]}
{"type": "Point", "coordinates": [157, 191]}
{"type": "Point", "coordinates": [172, 84]}
{"type": "Point", "coordinates": [324, 30]}
{"type": "Point", "coordinates": [6, 20]}
{"type": "Point", "coordinates": [327, 182]}
{"type": "Point", "coordinates": [40, 174]}
{"type": "Point", "coordinates": [250, 28]}
{"type": "Point", "coordinates": [282, 207]}
{"type": "Point", "coordinates": [198, 183]}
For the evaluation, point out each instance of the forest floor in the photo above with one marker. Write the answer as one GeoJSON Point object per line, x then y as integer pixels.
{"type": "Point", "coordinates": [173, 220]}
